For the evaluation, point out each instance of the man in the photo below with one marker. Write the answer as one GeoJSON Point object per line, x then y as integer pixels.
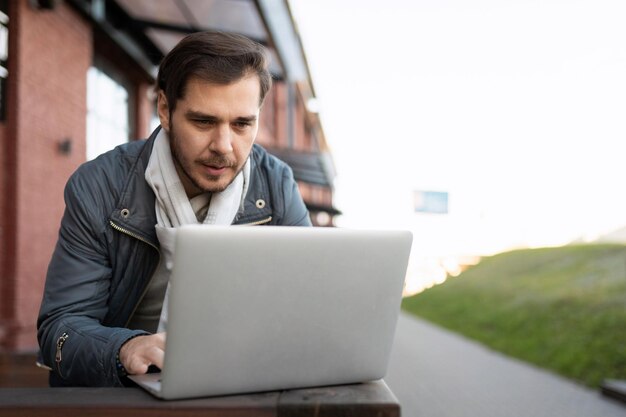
{"type": "Point", "coordinates": [104, 308]}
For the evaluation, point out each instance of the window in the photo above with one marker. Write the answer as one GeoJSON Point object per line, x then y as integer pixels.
{"type": "Point", "coordinates": [108, 121]}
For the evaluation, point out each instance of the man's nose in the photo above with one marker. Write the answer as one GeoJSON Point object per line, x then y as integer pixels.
{"type": "Point", "coordinates": [221, 140]}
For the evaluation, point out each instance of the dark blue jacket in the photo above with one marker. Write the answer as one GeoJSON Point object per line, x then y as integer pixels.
{"type": "Point", "coordinates": [108, 250]}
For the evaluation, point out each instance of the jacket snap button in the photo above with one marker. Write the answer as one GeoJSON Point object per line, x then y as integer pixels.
{"type": "Point", "coordinates": [260, 203]}
{"type": "Point", "coordinates": [125, 213]}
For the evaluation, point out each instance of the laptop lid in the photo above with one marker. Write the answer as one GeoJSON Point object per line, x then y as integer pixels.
{"type": "Point", "coordinates": [267, 308]}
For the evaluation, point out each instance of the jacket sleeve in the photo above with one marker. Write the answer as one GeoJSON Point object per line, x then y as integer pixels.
{"type": "Point", "coordinates": [295, 212]}
{"type": "Point", "coordinates": [73, 341]}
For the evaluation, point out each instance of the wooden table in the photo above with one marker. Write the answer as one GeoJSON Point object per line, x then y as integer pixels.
{"type": "Point", "coordinates": [369, 399]}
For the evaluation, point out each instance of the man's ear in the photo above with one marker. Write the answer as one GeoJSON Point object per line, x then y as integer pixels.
{"type": "Point", "coordinates": [163, 109]}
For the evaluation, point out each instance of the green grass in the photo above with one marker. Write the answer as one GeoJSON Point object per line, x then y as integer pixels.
{"type": "Point", "coordinates": [563, 308]}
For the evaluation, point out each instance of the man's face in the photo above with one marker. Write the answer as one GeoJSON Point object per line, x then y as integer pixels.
{"type": "Point", "coordinates": [211, 131]}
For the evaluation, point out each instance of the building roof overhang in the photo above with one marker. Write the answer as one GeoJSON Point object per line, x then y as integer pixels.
{"type": "Point", "coordinates": [148, 29]}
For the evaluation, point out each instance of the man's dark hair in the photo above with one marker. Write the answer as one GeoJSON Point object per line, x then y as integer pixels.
{"type": "Point", "coordinates": [216, 57]}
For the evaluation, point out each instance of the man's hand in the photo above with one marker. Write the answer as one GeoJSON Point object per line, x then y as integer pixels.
{"type": "Point", "coordinates": [140, 352]}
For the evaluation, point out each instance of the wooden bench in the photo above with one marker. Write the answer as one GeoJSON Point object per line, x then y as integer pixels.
{"type": "Point", "coordinates": [373, 399]}
{"type": "Point", "coordinates": [24, 392]}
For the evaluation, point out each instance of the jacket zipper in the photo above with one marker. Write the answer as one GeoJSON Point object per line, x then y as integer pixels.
{"type": "Point", "coordinates": [131, 234]}
{"type": "Point", "coordinates": [134, 235]}
{"type": "Point", "coordinates": [256, 223]}
{"type": "Point", "coordinates": [60, 342]}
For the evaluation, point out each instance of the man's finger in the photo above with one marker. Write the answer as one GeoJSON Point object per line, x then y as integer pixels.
{"type": "Point", "coordinates": [156, 356]}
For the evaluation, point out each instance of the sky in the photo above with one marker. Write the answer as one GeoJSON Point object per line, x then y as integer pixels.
{"type": "Point", "coordinates": [516, 108]}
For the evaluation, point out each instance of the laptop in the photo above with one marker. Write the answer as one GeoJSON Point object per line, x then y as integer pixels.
{"type": "Point", "coordinates": [268, 308]}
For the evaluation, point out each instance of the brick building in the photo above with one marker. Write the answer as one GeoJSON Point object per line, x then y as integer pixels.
{"type": "Point", "coordinates": [76, 78]}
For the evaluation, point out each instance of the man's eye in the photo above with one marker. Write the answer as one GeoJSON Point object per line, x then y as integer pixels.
{"type": "Point", "coordinates": [241, 125]}
{"type": "Point", "coordinates": [204, 122]}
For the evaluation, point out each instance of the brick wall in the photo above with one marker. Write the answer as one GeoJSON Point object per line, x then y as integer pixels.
{"type": "Point", "coordinates": [50, 53]}
{"type": "Point", "coordinates": [267, 129]}
{"type": "Point", "coordinates": [302, 140]}
{"type": "Point", "coordinates": [49, 60]}
{"type": "Point", "coordinates": [5, 228]}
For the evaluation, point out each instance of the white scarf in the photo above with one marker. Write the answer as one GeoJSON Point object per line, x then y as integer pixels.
{"type": "Point", "coordinates": [174, 209]}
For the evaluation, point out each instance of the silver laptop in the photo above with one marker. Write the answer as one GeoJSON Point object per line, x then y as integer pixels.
{"type": "Point", "coordinates": [268, 308]}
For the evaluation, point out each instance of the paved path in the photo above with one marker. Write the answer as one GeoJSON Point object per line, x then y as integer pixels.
{"type": "Point", "coordinates": [436, 373]}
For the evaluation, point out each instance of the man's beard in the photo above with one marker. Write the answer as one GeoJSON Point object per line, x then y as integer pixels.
{"type": "Point", "coordinates": [186, 167]}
